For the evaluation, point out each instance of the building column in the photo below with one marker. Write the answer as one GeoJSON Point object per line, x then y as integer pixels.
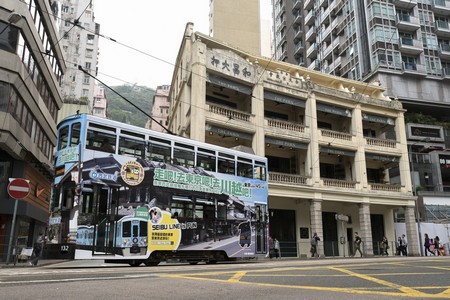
{"type": "Point", "coordinates": [258, 142]}
{"type": "Point", "coordinates": [315, 211]}
{"type": "Point", "coordinates": [365, 229]}
{"type": "Point", "coordinates": [414, 246]}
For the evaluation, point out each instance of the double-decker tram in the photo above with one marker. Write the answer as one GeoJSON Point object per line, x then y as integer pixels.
{"type": "Point", "coordinates": [126, 194]}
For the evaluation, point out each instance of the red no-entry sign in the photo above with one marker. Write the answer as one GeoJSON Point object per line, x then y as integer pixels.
{"type": "Point", "coordinates": [18, 188]}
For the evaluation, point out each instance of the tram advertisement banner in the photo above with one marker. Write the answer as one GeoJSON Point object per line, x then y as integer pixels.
{"type": "Point", "coordinates": [188, 207]}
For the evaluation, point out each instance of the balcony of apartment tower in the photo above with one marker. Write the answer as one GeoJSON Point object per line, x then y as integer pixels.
{"type": "Point", "coordinates": [308, 4]}
{"type": "Point", "coordinates": [297, 4]}
{"type": "Point", "coordinates": [444, 49]}
{"type": "Point", "coordinates": [406, 21]}
{"type": "Point", "coordinates": [405, 3]}
{"type": "Point", "coordinates": [412, 65]}
{"type": "Point", "coordinates": [298, 17]}
{"type": "Point", "coordinates": [408, 44]}
{"type": "Point", "coordinates": [441, 7]}
{"type": "Point", "coordinates": [310, 17]}
{"type": "Point", "coordinates": [446, 69]}
{"type": "Point", "coordinates": [228, 112]}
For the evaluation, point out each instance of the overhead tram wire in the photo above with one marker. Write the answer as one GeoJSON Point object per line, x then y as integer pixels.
{"type": "Point", "coordinates": [118, 94]}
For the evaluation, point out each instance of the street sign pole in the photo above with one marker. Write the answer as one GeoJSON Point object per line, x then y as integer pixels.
{"type": "Point", "coordinates": [11, 235]}
{"type": "Point", "coordinates": [18, 188]}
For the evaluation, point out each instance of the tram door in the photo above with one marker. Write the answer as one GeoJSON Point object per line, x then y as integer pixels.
{"type": "Point", "coordinates": [104, 220]}
{"type": "Point", "coordinates": [261, 229]}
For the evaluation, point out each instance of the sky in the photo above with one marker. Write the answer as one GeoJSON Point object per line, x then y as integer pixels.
{"type": "Point", "coordinates": [148, 35]}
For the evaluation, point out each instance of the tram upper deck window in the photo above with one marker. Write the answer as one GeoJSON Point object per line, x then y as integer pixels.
{"type": "Point", "coordinates": [101, 140]}
{"type": "Point", "coordinates": [183, 155]}
{"type": "Point", "coordinates": [260, 171]}
{"type": "Point", "coordinates": [63, 137]}
{"type": "Point", "coordinates": [131, 147]}
{"type": "Point", "coordinates": [206, 159]}
{"type": "Point", "coordinates": [226, 164]}
{"type": "Point", "coordinates": [158, 150]}
{"type": "Point", "coordinates": [245, 167]}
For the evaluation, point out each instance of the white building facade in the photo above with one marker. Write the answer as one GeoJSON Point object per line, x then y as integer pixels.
{"type": "Point", "coordinates": [325, 174]}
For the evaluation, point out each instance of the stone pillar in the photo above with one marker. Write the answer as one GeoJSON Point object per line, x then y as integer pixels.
{"type": "Point", "coordinates": [414, 244]}
{"type": "Point", "coordinates": [365, 229]}
{"type": "Point", "coordinates": [315, 211]}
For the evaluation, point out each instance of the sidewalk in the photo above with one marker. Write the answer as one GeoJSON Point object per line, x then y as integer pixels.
{"type": "Point", "coordinates": [41, 262]}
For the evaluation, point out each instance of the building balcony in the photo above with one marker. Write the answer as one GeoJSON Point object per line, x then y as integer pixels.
{"type": "Point", "coordinates": [335, 137]}
{"type": "Point", "coordinates": [444, 51]}
{"type": "Point", "coordinates": [407, 22]}
{"type": "Point", "coordinates": [382, 187]}
{"type": "Point", "coordinates": [408, 4]}
{"type": "Point", "coordinates": [315, 65]}
{"type": "Point", "coordinates": [297, 4]}
{"type": "Point", "coordinates": [325, 34]}
{"type": "Point", "coordinates": [298, 33]}
{"type": "Point", "coordinates": [311, 34]}
{"type": "Point", "coordinates": [290, 179]}
{"type": "Point", "coordinates": [410, 46]}
{"type": "Point", "coordinates": [446, 72]}
{"type": "Point", "coordinates": [229, 113]}
{"type": "Point", "coordinates": [414, 69]}
{"type": "Point", "coordinates": [308, 4]}
{"type": "Point", "coordinates": [441, 7]}
{"type": "Point", "coordinates": [442, 29]}
{"type": "Point", "coordinates": [326, 53]}
{"type": "Point", "coordinates": [298, 48]}
{"type": "Point", "coordinates": [338, 183]}
{"type": "Point", "coordinates": [298, 17]}
{"type": "Point", "coordinates": [284, 127]}
{"type": "Point", "coordinates": [336, 63]}
{"type": "Point", "coordinates": [310, 17]}
{"type": "Point", "coordinates": [312, 50]}
{"type": "Point", "coordinates": [377, 143]}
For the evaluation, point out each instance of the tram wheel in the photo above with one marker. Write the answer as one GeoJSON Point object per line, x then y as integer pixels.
{"type": "Point", "coordinates": [152, 263]}
{"type": "Point", "coordinates": [134, 263]}
{"type": "Point", "coordinates": [193, 262]}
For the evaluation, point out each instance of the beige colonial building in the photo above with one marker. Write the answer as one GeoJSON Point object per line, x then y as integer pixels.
{"type": "Point", "coordinates": [337, 152]}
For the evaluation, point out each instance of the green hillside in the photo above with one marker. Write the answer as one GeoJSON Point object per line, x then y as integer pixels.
{"type": "Point", "coordinates": [121, 110]}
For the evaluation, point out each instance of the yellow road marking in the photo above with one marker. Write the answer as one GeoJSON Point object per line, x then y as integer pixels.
{"type": "Point", "coordinates": [404, 289]}
{"type": "Point", "coordinates": [237, 277]}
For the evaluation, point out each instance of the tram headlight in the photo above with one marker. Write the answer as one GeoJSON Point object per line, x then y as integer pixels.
{"type": "Point", "coordinates": [125, 242]}
{"type": "Point", "coordinates": [144, 240]}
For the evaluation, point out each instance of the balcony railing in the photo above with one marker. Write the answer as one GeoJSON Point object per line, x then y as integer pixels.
{"type": "Point", "coordinates": [336, 135]}
{"type": "Point", "coordinates": [381, 142]}
{"type": "Point", "coordinates": [287, 178]}
{"type": "Point", "coordinates": [229, 113]}
{"type": "Point", "coordinates": [286, 125]}
{"type": "Point", "coordinates": [328, 182]}
{"type": "Point", "coordinates": [385, 187]}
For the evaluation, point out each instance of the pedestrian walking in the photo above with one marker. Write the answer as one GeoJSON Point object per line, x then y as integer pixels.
{"type": "Point", "coordinates": [37, 249]}
{"type": "Point", "coordinates": [405, 245]}
{"type": "Point", "coordinates": [384, 246]}
{"type": "Point", "coordinates": [427, 245]}
{"type": "Point", "coordinates": [357, 244]}
{"type": "Point", "coordinates": [276, 246]}
{"type": "Point", "coordinates": [437, 246]}
{"type": "Point", "coordinates": [314, 243]}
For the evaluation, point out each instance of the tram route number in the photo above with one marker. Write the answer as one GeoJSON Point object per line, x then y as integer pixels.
{"type": "Point", "coordinates": [64, 248]}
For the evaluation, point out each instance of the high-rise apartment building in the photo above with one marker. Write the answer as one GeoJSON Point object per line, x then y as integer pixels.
{"type": "Point", "coordinates": [404, 45]}
{"type": "Point", "coordinates": [79, 39]}
{"type": "Point", "coordinates": [100, 104]}
{"type": "Point", "coordinates": [31, 68]}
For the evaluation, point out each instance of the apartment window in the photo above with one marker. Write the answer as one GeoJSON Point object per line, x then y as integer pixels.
{"type": "Point", "coordinates": [89, 53]}
{"type": "Point", "coordinates": [85, 93]}
{"type": "Point", "coordinates": [86, 79]}
{"type": "Point", "coordinates": [429, 41]}
{"type": "Point", "coordinates": [90, 39]}
{"type": "Point", "coordinates": [87, 66]}
{"type": "Point", "coordinates": [433, 65]}
{"type": "Point", "coordinates": [410, 62]}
